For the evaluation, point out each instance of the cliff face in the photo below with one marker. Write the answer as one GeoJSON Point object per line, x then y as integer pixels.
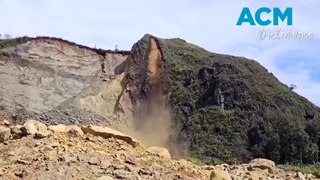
{"type": "Point", "coordinates": [39, 75]}
{"type": "Point", "coordinates": [165, 92]}
{"type": "Point", "coordinates": [46, 76]}
{"type": "Point", "coordinates": [223, 107]}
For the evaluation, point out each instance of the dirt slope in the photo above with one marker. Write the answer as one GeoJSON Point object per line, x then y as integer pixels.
{"type": "Point", "coordinates": [165, 92]}
{"type": "Point", "coordinates": [46, 78]}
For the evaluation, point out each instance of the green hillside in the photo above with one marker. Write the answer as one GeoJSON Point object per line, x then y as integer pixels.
{"type": "Point", "coordinates": [231, 108]}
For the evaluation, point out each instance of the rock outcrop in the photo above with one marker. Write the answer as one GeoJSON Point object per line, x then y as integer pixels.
{"type": "Point", "coordinates": [173, 93]}
{"type": "Point", "coordinates": [5, 134]}
{"type": "Point", "coordinates": [106, 132]}
{"type": "Point", "coordinates": [35, 128]}
{"type": "Point", "coordinates": [96, 153]}
{"type": "Point", "coordinates": [222, 106]}
{"type": "Point", "coordinates": [57, 81]}
{"type": "Point", "coordinates": [263, 164]}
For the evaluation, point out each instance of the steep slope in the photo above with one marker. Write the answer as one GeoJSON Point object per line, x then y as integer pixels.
{"type": "Point", "coordinates": [165, 92]}
{"type": "Point", "coordinates": [224, 107]}
{"type": "Point", "coordinates": [59, 81]}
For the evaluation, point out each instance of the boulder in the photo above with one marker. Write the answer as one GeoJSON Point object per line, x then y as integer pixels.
{"type": "Point", "coordinates": [105, 178]}
{"type": "Point", "coordinates": [256, 175]}
{"type": "Point", "coordinates": [219, 174]}
{"type": "Point", "coordinates": [35, 128]}
{"type": "Point", "coordinates": [60, 128]}
{"type": "Point", "coordinates": [16, 131]}
{"type": "Point", "coordinates": [93, 161]}
{"type": "Point", "coordinates": [261, 163]}
{"type": "Point", "coordinates": [310, 176]}
{"type": "Point", "coordinates": [5, 123]}
{"type": "Point", "coordinates": [106, 132]}
{"type": "Point", "coordinates": [75, 130]}
{"type": "Point", "coordinates": [161, 151]}
{"type": "Point", "coordinates": [224, 167]}
{"type": "Point", "coordinates": [300, 176]}
{"type": "Point", "coordinates": [5, 134]}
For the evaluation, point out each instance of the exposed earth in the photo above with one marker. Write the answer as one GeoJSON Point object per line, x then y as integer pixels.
{"type": "Point", "coordinates": [37, 151]}
{"type": "Point", "coordinates": [179, 101]}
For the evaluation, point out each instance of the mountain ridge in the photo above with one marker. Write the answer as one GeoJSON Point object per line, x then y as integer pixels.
{"type": "Point", "coordinates": [215, 96]}
{"type": "Point", "coordinates": [24, 39]}
{"type": "Point", "coordinates": [216, 107]}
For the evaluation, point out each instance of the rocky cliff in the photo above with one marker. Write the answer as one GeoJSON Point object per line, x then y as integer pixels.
{"type": "Point", "coordinates": [221, 107]}
{"type": "Point", "coordinates": [56, 80]}
{"type": "Point", "coordinates": [165, 92]}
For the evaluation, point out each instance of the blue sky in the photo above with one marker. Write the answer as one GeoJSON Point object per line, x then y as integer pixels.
{"type": "Point", "coordinates": [210, 24]}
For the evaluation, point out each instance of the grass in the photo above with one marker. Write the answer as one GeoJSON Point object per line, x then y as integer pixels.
{"type": "Point", "coordinates": [8, 43]}
{"type": "Point", "coordinates": [250, 92]}
{"type": "Point", "coordinates": [196, 161]}
{"type": "Point", "coordinates": [201, 162]}
{"type": "Point", "coordinates": [306, 169]}
{"type": "Point", "coordinates": [5, 43]}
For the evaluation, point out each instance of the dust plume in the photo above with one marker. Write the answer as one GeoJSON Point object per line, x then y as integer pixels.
{"type": "Point", "coordinates": [151, 121]}
{"type": "Point", "coordinates": [153, 125]}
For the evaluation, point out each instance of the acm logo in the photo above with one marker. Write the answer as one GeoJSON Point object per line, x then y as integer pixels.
{"type": "Point", "coordinates": [277, 15]}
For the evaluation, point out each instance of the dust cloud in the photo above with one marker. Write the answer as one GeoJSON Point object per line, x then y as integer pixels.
{"type": "Point", "coordinates": [152, 125]}
{"type": "Point", "coordinates": [152, 122]}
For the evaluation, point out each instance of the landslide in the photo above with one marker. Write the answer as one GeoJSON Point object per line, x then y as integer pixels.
{"type": "Point", "coordinates": [165, 92]}
{"type": "Point", "coordinates": [222, 107]}
{"type": "Point", "coordinates": [57, 81]}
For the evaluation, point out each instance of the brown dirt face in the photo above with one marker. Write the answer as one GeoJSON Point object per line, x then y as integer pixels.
{"type": "Point", "coordinates": [153, 124]}
{"type": "Point", "coordinates": [155, 59]}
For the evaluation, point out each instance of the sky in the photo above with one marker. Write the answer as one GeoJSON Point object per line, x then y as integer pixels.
{"type": "Point", "coordinates": [209, 24]}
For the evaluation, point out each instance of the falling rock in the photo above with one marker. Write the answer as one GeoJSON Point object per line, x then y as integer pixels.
{"type": "Point", "coordinates": [36, 128]}
{"type": "Point", "coordinates": [261, 163]}
{"type": "Point", "coordinates": [106, 132]}
{"type": "Point", "coordinates": [5, 134]}
{"type": "Point", "coordinates": [161, 151]}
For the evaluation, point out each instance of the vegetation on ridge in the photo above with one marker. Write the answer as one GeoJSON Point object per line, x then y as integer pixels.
{"type": "Point", "coordinates": [232, 109]}
{"type": "Point", "coordinates": [8, 43]}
